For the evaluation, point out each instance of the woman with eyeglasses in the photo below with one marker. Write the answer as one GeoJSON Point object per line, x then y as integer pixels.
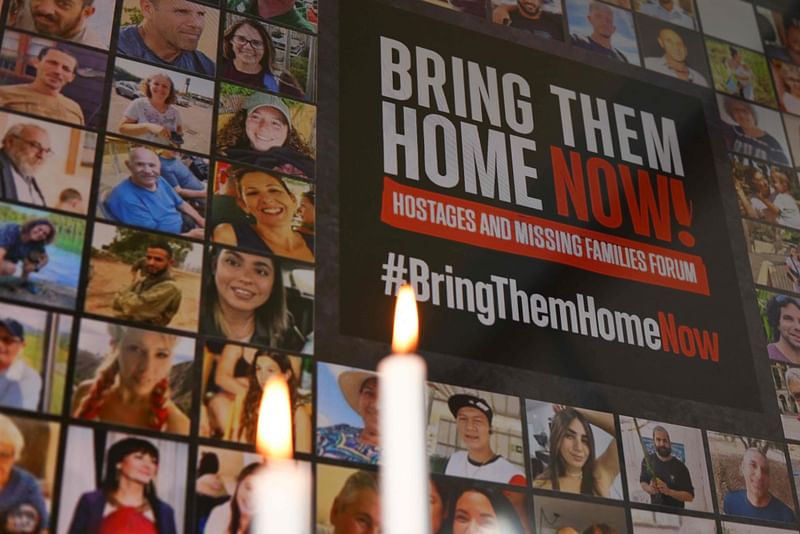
{"type": "Point", "coordinates": [248, 59]}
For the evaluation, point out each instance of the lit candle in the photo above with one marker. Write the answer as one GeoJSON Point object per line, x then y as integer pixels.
{"type": "Point", "coordinates": [405, 508]}
{"type": "Point", "coordinates": [283, 487]}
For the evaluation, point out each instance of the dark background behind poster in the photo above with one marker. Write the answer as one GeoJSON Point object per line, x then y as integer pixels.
{"type": "Point", "coordinates": [518, 344]}
{"type": "Point", "coordinates": [339, 307]}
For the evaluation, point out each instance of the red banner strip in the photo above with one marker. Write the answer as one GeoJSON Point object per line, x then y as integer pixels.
{"type": "Point", "coordinates": [437, 215]}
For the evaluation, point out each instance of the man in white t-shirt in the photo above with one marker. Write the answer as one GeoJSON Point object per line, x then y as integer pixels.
{"type": "Point", "coordinates": [474, 427]}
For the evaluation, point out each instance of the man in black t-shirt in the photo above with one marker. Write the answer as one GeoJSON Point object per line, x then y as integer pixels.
{"type": "Point", "coordinates": [529, 15]}
{"type": "Point", "coordinates": [663, 476]}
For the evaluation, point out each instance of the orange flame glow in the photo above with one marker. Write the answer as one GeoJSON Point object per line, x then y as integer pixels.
{"type": "Point", "coordinates": [274, 435]}
{"type": "Point", "coordinates": [406, 322]}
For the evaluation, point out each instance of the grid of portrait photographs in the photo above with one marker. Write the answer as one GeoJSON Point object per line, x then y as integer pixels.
{"type": "Point", "coordinates": [157, 267]}
{"type": "Point", "coordinates": [157, 180]}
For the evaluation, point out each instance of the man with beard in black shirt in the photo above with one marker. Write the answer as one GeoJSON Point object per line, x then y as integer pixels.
{"type": "Point", "coordinates": [663, 476]}
{"type": "Point", "coordinates": [529, 15]}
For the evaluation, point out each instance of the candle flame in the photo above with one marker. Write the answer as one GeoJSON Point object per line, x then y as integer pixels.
{"type": "Point", "coordinates": [406, 322]}
{"type": "Point", "coordinates": [274, 434]}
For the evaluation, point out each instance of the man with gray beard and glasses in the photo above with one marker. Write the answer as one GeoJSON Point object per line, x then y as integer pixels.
{"type": "Point", "coordinates": [26, 147]}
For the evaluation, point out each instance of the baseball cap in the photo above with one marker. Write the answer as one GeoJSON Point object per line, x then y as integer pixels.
{"type": "Point", "coordinates": [460, 400]}
{"type": "Point", "coordinates": [14, 327]}
{"type": "Point", "coordinates": [260, 100]}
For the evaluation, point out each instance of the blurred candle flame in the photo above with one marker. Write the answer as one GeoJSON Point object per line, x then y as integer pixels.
{"type": "Point", "coordinates": [274, 435]}
{"type": "Point", "coordinates": [406, 322]}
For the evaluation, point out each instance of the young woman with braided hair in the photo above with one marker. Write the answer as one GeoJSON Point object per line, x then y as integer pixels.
{"type": "Point", "coordinates": [131, 386]}
{"type": "Point", "coordinates": [266, 365]}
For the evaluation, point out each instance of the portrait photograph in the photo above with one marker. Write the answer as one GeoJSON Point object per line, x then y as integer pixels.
{"type": "Point", "coordinates": [740, 72]}
{"type": "Point", "coordinates": [34, 354]}
{"type": "Point", "coordinates": [269, 58]}
{"type": "Point", "coordinates": [225, 480]}
{"type": "Point", "coordinates": [143, 277]}
{"type": "Point", "coordinates": [573, 450]}
{"type": "Point", "coordinates": [751, 477]}
{"type": "Point", "coordinates": [542, 18]}
{"type": "Point", "coordinates": [133, 377]}
{"type": "Point", "coordinates": [260, 300]}
{"type": "Point", "coordinates": [263, 211]}
{"type": "Point", "coordinates": [40, 256]}
{"type": "Point", "coordinates": [53, 80]}
{"type": "Point", "coordinates": [345, 496]}
{"type": "Point", "coordinates": [459, 506]}
{"type": "Point", "coordinates": [234, 377]}
{"type": "Point", "coordinates": [786, 76]}
{"type": "Point", "coordinates": [730, 20]}
{"type": "Point", "coordinates": [779, 313]}
{"type": "Point", "coordinates": [672, 51]}
{"type": "Point", "coordinates": [267, 131]}
{"type": "Point", "coordinates": [773, 253]}
{"type": "Point", "coordinates": [179, 34]}
{"type": "Point", "coordinates": [76, 21]}
{"type": "Point", "coordinates": [647, 522]}
{"type": "Point", "coordinates": [678, 12]}
{"type": "Point", "coordinates": [780, 32]}
{"type": "Point", "coordinates": [767, 193]}
{"type": "Point", "coordinates": [97, 461]}
{"type": "Point", "coordinates": [153, 188]}
{"type": "Point", "coordinates": [56, 163]}
{"type": "Point", "coordinates": [603, 29]}
{"type": "Point", "coordinates": [161, 106]}
{"type": "Point", "coordinates": [753, 131]}
{"type": "Point", "coordinates": [786, 380]}
{"type": "Point", "coordinates": [347, 414]}
{"type": "Point", "coordinates": [564, 516]}
{"type": "Point", "coordinates": [28, 469]}
{"type": "Point", "coordinates": [665, 465]}
{"type": "Point", "coordinates": [302, 15]}
{"type": "Point", "coordinates": [478, 435]}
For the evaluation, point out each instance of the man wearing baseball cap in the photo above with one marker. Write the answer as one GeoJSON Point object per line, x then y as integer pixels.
{"type": "Point", "coordinates": [20, 385]}
{"type": "Point", "coordinates": [474, 427]}
{"type": "Point", "coordinates": [346, 442]}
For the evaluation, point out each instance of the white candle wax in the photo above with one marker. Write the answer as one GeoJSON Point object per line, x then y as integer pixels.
{"type": "Point", "coordinates": [283, 498]}
{"type": "Point", "coordinates": [405, 506]}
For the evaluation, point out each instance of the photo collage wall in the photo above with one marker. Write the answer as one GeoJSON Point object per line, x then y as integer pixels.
{"type": "Point", "coordinates": [157, 267]}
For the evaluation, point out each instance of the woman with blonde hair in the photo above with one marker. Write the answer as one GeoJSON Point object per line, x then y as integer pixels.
{"type": "Point", "coordinates": [131, 386]}
{"type": "Point", "coordinates": [154, 117]}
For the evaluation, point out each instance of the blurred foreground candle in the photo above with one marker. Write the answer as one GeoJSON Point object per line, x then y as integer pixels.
{"type": "Point", "coordinates": [405, 508]}
{"type": "Point", "coordinates": [283, 487]}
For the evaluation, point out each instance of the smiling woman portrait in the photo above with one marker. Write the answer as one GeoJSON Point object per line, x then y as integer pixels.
{"type": "Point", "coordinates": [245, 301]}
{"type": "Point", "coordinates": [270, 207]}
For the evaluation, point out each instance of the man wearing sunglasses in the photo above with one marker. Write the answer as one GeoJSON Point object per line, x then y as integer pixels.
{"type": "Point", "coordinates": [26, 148]}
